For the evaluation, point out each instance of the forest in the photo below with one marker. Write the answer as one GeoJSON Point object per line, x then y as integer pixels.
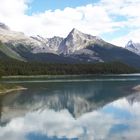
{"type": "Point", "coordinates": [14, 67]}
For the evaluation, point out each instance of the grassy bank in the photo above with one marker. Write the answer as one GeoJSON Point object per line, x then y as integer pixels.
{"type": "Point", "coordinates": [6, 88]}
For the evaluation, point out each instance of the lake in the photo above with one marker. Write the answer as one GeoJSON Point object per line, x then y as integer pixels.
{"type": "Point", "coordinates": [101, 107]}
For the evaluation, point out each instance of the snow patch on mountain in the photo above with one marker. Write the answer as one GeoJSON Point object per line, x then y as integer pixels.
{"type": "Point", "coordinates": [133, 47]}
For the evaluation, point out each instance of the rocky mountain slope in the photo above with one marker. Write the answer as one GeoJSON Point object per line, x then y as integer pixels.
{"type": "Point", "coordinates": [76, 41]}
{"type": "Point", "coordinates": [77, 47]}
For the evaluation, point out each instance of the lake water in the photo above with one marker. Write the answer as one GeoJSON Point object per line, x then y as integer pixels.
{"type": "Point", "coordinates": [76, 108]}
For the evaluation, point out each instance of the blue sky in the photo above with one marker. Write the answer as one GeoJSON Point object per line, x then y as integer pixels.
{"type": "Point", "coordinates": [37, 6]}
{"type": "Point", "coordinates": [43, 5]}
{"type": "Point", "coordinates": [116, 21]}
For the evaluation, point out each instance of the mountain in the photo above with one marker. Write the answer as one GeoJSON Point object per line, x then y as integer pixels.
{"type": "Point", "coordinates": [21, 47]}
{"type": "Point", "coordinates": [12, 41]}
{"type": "Point", "coordinates": [15, 38]}
{"type": "Point", "coordinates": [75, 41]}
{"type": "Point", "coordinates": [109, 52]}
{"type": "Point", "coordinates": [36, 44]}
{"type": "Point", "coordinates": [134, 47]}
{"type": "Point", "coordinates": [6, 52]}
{"type": "Point", "coordinates": [50, 44]}
{"type": "Point", "coordinates": [77, 47]}
{"type": "Point", "coordinates": [88, 48]}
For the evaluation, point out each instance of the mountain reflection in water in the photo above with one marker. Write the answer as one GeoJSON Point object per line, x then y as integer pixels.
{"type": "Point", "coordinates": [82, 110]}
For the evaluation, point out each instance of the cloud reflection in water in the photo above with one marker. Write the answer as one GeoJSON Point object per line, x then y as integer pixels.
{"type": "Point", "coordinates": [99, 124]}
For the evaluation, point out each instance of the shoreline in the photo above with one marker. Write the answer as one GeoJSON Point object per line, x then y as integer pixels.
{"type": "Point", "coordinates": [61, 76]}
{"type": "Point", "coordinates": [11, 89]}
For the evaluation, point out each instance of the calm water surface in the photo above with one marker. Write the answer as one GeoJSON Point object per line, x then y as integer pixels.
{"type": "Point", "coordinates": [75, 108]}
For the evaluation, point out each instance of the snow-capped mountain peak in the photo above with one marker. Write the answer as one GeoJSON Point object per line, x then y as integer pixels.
{"type": "Point", "coordinates": [134, 47]}
{"type": "Point", "coordinates": [75, 31]}
{"type": "Point", "coordinates": [75, 41]}
{"type": "Point", "coordinates": [130, 44]}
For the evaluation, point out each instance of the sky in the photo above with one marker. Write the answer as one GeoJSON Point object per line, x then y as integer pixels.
{"type": "Point", "coordinates": [116, 21]}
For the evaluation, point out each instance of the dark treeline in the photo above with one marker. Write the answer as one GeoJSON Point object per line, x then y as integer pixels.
{"type": "Point", "coordinates": [13, 67]}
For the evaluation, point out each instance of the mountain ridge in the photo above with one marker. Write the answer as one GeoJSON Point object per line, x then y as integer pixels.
{"type": "Point", "coordinates": [75, 41]}
{"type": "Point", "coordinates": [77, 47]}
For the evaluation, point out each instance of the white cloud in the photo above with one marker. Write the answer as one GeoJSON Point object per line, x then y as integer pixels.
{"type": "Point", "coordinates": [58, 124]}
{"type": "Point", "coordinates": [128, 10]}
{"type": "Point", "coordinates": [90, 19]}
{"type": "Point", "coordinates": [97, 124]}
{"type": "Point", "coordinates": [132, 35]}
{"type": "Point", "coordinates": [94, 125]}
{"type": "Point", "coordinates": [11, 8]}
{"type": "Point", "coordinates": [94, 19]}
